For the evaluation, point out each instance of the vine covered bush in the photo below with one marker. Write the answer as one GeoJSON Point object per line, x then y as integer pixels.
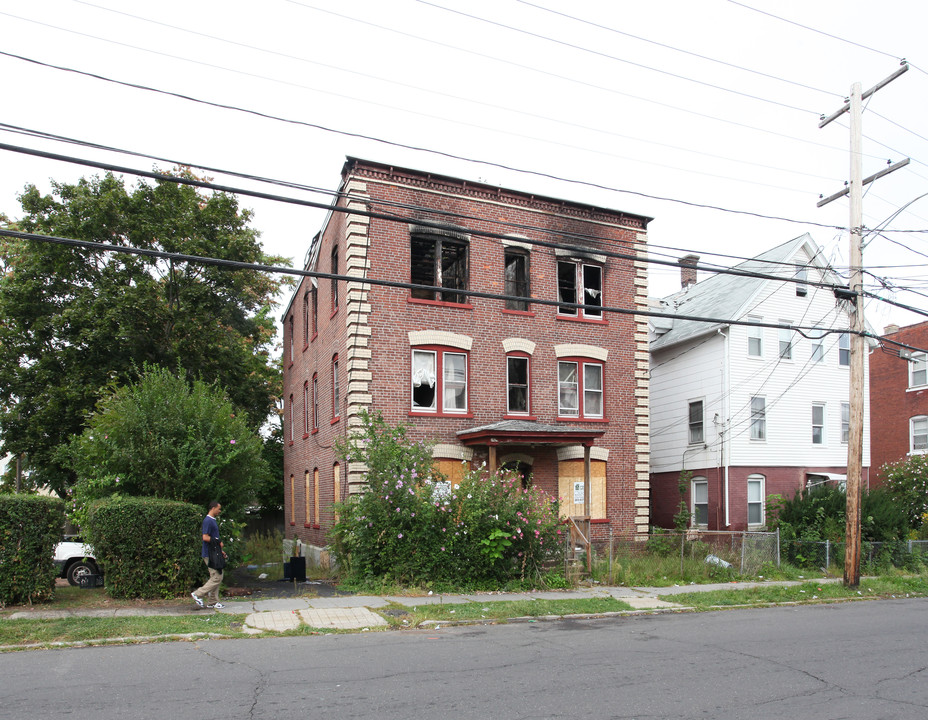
{"type": "Point", "coordinates": [414, 526]}
{"type": "Point", "coordinates": [30, 527]}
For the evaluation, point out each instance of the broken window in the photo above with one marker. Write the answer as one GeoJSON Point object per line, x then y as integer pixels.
{"type": "Point", "coordinates": [516, 277]}
{"type": "Point", "coordinates": [580, 284]}
{"type": "Point", "coordinates": [334, 281]}
{"type": "Point", "coordinates": [438, 261]}
{"type": "Point", "coordinates": [517, 384]}
{"type": "Point", "coordinates": [436, 375]}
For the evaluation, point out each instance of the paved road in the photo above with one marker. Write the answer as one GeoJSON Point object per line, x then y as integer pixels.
{"type": "Point", "coordinates": [853, 660]}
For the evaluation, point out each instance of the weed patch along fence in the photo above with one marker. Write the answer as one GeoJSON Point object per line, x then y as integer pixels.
{"type": "Point", "coordinates": [743, 552]}
{"type": "Point", "coordinates": [907, 554]}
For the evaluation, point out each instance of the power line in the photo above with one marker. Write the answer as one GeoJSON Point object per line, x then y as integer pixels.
{"type": "Point", "coordinates": [676, 49]}
{"type": "Point", "coordinates": [615, 58]}
{"type": "Point", "coordinates": [441, 153]}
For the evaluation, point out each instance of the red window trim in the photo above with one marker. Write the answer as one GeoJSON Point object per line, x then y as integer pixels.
{"type": "Point", "coordinates": [439, 411]}
{"type": "Point", "coordinates": [581, 417]}
{"type": "Point", "coordinates": [523, 313]}
{"type": "Point", "coordinates": [438, 303]}
{"type": "Point", "coordinates": [528, 415]}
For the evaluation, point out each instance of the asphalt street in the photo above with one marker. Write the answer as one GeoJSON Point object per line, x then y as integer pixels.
{"type": "Point", "coordinates": [849, 660]}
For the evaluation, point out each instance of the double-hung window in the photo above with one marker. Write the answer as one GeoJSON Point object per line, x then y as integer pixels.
{"type": "Point", "coordinates": [844, 349]}
{"type": "Point", "coordinates": [845, 422]}
{"type": "Point", "coordinates": [516, 275]}
{"type": "Point", "coordinates": [818, 349]}
{"type": "Point", "coordinates": [580, 389]}
{"type": "Point", "coordinates": [335, 391]}
{"type": "Point", "coordinates": [696, 429]}
{"type": "Point", "coordinates": [919, 434]}
{"type": "Point", "coordinates": [786, 341]}
{"type": "Point", "coordinates": [802, 277]}
{"type": "Point", "coordinates": [700, 495]}
{"type": "Point", "coordinates": [755, 500]}
{"type": "Point", "coordinates": [438, 261]}
{"type": "Point", "coordinates": [818, 424]}
{"type": "Point", "coordinates": [315, 417]}
{"type": "Point", "coordinates": [334, 265]}
{"type": "Point", "coordinates": [918, 370]}
{"type": "Point", "coordinates": [315, 311]}
{"type": "Point", "coordinates": [755, 338]}
{"type": "Point", "coordinates": [758, 418]}
{"type": "Point", "coordinates": [517, 385]}
{"type": "Point", "coordinates": [307, 408]}
{"type": "Point", "coordinates": [305, 319]}
{"type": "Point", "coordinates": [580, 283]}
{"type": "Point", "coordinates": [439, 382]}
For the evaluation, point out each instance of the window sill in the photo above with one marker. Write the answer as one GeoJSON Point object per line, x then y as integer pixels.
{"type": "Point", "coordinates": [335, 420]}
{"type": "Point", "coordinates": [439, 303]}
{"type": "Point", "coordinates": [305, 435]}
{"type": "Point", "coordinates": [414, 413]}
{"type": "Point", "coordinates": [305, 347]}
{"type": "Point", "coordinates": [290, 443]}
{"type": "Point", "coordinates": [511, 416]}
{"type": "Point", "coordinates": [313, 338]}
{"type": "Point", "coordinates": [290, 365]}
{"type": "Point", "coordinates": [315, 430]}
{"type": "Point", "coordinates": [307, 525]}
{"type": "Point", "coordinates": [334, 313]}
{"type": "Point", "coordinates": [588, 320]}
{"type": "Point", "coordinates": [292, 523]}
{"type": "Point", "coordinates": [582, 419]}
{"type": "Point", "coordinates": [916, 388]}
{"type": "Point", "coordinates": [523, 313]}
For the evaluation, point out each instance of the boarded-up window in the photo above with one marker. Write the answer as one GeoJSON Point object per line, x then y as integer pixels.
{"type": "Point", "coordinates": [453, 470]}
{"type": "Point", "coordinates": [570, 488]}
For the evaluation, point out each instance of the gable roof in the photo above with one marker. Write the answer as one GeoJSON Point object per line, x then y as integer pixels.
{"type": "Point", "coordinates": [725, 297]}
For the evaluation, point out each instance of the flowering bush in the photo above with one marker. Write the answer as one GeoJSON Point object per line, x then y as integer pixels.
{"type": "Point", "coordinates": [412, 525]}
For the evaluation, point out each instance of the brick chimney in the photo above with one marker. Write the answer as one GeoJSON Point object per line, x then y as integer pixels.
{"type": "Point", "coordinates": [890, 329]}
{"type": "Point", "coordinates": [688, 270]}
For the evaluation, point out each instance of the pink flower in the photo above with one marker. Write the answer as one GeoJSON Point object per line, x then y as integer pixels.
{"type": "Point", "coordinates": [232, 441]}
{"type": "Point", "coordinates": [400, 536]}
{"type": "Point", "coordinates": [443, 548]}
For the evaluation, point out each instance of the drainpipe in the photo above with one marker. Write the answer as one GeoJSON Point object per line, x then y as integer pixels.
{"type": "Point", "coordinates": [724, 400]}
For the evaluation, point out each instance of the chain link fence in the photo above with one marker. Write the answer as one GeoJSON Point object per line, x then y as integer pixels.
{"type": "Point", "coordinates": [822, 555]}
{"type": "Point", "coordinates": [743, 552]}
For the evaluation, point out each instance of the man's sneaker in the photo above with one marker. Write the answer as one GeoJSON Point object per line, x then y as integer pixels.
{"type": "Point", "coordinates": [216, 606]}
{"type": "Point", "coordinates": [197, 599]}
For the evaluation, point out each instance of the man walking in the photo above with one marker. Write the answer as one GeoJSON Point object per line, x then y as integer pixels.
{"type": "Point", "coordinates": [210, 534]}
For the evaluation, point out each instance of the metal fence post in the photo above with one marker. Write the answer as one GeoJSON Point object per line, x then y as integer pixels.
{"type": "Point", "coordinates": [778, 547]}
{"type": "Point", "coordinates": [827, 553]}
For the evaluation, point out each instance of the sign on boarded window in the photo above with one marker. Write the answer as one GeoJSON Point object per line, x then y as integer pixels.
{"type": "Point", "coordinates": [570, 488]}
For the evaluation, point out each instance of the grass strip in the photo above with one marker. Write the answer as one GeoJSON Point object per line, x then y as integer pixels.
{"type": "Point", "coordinates": [879, 587]}
{"type": "Point", "coordinates": [402, 616]}
{"type": "Point", "coordinates": [26, 631]}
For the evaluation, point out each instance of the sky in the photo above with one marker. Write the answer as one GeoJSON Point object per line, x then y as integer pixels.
{"type": "Point", "coordinates": [702, 114]}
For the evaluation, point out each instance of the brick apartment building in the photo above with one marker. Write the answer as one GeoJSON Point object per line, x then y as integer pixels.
{"type": "Point", "coordinates": [510, 382]}
{"type": "Point", "coordinates": [899, 398]}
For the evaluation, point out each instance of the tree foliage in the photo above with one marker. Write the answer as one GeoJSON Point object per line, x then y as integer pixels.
{"type": "Point", "coordinates": [165, 438]}
{"type": "Point", "coordinates": [74, 321]}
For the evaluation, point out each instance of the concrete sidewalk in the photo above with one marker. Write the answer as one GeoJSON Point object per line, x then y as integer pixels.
{"type": "Point", "coordinates": [355, 612]}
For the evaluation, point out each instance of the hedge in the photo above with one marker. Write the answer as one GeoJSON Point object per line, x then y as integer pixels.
{"type": "Point", "coordinates": [30, 527]}
{"type": "Point", "coordinates": [147, 547]}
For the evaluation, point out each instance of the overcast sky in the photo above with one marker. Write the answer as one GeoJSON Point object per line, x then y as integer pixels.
{"type": "Point", "coordinates": [681, 103]}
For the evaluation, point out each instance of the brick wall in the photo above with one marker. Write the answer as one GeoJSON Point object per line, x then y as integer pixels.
{"type": "Point", "coordinates": [370, 333]}
{"type": "Point", "coordinates": [891, 403]}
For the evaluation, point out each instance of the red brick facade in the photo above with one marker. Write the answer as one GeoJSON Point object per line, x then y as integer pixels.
{"type": "Point", "coordinates": [893, 403]}
{"type": "Point", "coordinates": [374, 329]}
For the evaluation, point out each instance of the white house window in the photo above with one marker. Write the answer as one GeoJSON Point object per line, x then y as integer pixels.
{"type": "Point", "coordinates": [700, 495]}
{"type": "Point", "coordinates": [517, 377]}
{"type": "Point", "coordinates": [755, 338]}
{"type": "Point", "coordinates": [697, 434]}
{"type": "Point", "coordinates": [786, 341]}
{"type": "Point", "coordinates": [845, 422]}
{"type": "Point", "coordinates": [818, 424]}
{"type": "Point", "coordinates": [919, 434]}
{"type": "Point", "coordinates": [580, 284]}
{"type": "Point", "coordinates": [755, 500]}
{"type": "Point", "coordinates": [818, 349]}
{"type": "Point", "coordinates": [802, 276]}
{"type": "Point", "coordinates": [580, 381]}
{"type": "Point", "coordinates": [844, 349]}
{"type": "Point", "coordinates": [439, 374]}
{"type": "Point", "coordinates": [918, 370]}
{"type": "Point", "coordinates": [758, 418]}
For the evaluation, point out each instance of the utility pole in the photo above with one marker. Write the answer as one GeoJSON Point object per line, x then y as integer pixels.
{"type": "Point", "coordinates": [856, 390]}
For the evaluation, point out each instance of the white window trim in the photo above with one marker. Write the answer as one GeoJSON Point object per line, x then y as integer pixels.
{"type": "Point", "coordinates": [693, 483]}
{"type": "Point", "coordinates": [751, 419]}
{"type": "Point", "coordinates": [754, 479]}
{"type": "Point", "coordinates": [755, 333]}
{"type": "Point", "coordinates": [790, 345]}
{"type": "Point", "coordinates": [702, 422]}
{"type": "Point", "coordinates": [528, 385]}
{"type": "Point", "coordinates": [845, 410]}
{"type": "Point", "coordinates": [918, 359]}
{"type": "Point", "coordinates": [912, 421]}
{"type": "Point", "coordinates": [822, 424]}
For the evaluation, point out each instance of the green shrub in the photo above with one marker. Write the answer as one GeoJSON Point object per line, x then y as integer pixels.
{"type": "Point", "coordinates": [30, 527]}
{"type": "Point", "coordinates": [413, 526]}
{"type": "Point", "coordinates": [147, 547]}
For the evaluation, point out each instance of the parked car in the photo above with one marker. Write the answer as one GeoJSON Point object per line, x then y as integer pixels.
{"type": "Point", "coordinates": [75, 560]}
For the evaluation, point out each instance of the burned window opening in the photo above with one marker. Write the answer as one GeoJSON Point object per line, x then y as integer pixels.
{"type": "Point", "coordinates": [440, 262]}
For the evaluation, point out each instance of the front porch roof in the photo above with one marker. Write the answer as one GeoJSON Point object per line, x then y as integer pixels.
{"type": "Point", "coordinates": [527, 432]}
